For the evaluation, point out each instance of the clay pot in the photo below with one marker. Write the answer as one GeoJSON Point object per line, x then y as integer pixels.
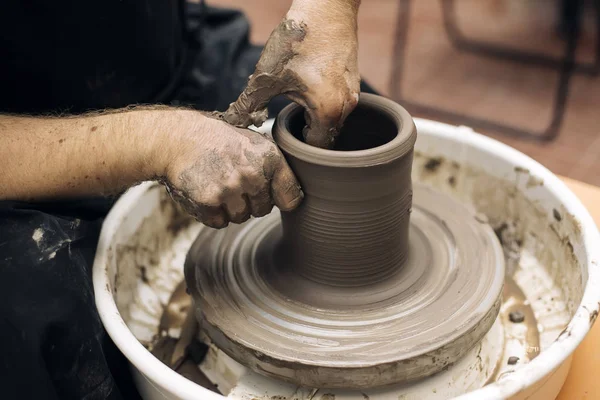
{"type": "Point", "coordinates": [352, 227]}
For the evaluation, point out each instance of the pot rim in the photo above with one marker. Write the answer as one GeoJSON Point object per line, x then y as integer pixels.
{"type": "Point", "coordinates": [396, 148]}
{"type": "Point", "coordinates": [539, 368]}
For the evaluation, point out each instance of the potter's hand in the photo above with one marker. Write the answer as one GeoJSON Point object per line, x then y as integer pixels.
{"type": "Point", "coordinates": [223, 174]}
{"type": "Point", "coordinates": [311, 57]}
{"type": "Point", "coordinates": [219, 173]}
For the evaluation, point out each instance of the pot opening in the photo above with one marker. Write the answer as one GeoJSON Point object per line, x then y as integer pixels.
{"type": "Point", "coordinates": [365, 128]}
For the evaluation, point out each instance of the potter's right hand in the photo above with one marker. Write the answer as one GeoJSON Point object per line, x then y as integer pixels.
{"type": "Point", "coordinates": [223, 174]}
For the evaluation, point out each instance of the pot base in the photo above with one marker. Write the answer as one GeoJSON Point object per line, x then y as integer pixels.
{"type": "Point", "coordinates": [425, 316]}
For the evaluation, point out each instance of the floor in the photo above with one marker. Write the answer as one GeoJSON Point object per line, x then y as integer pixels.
{"type": "Point", "coordinates": [437, 74]}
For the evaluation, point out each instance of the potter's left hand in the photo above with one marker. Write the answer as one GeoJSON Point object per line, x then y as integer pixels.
{"type": "Point", "coordinates": [311, 57]}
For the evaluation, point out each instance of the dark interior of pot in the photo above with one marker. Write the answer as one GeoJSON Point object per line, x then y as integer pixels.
{"type": "Point", "coordinates": [365, 128]}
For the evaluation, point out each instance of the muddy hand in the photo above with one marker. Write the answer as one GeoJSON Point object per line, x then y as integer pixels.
{"type": "Point", "coordinates": [311, 57]}
{"type": "Point", "coordinates": [230, 175]}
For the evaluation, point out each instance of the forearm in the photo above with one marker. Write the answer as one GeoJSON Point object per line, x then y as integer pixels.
{"type": "Point", "coordinates": [326, 11]}
{"type": "Point", "coordinates": [99, 154]}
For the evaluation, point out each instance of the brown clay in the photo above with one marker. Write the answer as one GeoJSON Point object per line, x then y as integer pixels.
{"type": "Point", "coordinates": [352, 290]}
{"type": "Point", "coordinates": [352, 227]}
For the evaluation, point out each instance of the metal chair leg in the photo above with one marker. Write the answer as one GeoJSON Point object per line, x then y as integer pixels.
{"type": "Point", "coordinates": [566, 66]}
{"type": "Point", "coordinates": [571, 10]}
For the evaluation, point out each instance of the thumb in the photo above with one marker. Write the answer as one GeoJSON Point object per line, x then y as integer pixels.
{"type": "Point", "coordinates": [270, 78]}
{"type": "Point", "coordinates": [251, 106]}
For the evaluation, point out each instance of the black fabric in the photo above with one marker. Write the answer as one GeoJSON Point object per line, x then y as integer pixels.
{"type": "Point", "coordinates": [51, 344]}
{"type": "Point", "coordinates": [73, 56]}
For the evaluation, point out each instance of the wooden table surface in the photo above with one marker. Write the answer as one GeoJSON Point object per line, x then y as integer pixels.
{"type": "Point", "coordinates": [583, 381]}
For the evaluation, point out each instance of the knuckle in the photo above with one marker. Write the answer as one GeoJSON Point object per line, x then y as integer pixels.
{"type": "Point", "coordinates": [253, 174]}
{"type": "Point", "coordinates": [271, 149]}
{"type": "Point", "coordinates": [210, 201]}
{"type": "Point", "coordinates": [213, 196]}
{"type": "Point", "coordinates": [232, 183]}
{"type": "Point", "coordinates": [272, 160]}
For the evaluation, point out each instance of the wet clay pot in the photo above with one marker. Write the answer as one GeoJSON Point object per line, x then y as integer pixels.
{"type": "Point", "coordinates": [330, 295]}
{"type": "Point", "coordinates": [352, 227]}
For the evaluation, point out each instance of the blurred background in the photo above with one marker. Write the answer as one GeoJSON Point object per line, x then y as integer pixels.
{"type": "Point", "coordinates": [521, 71]}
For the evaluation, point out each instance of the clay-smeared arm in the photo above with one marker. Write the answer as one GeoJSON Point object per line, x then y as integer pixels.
{"type": "Point", "coordinates": [219, 173]}
{"type": "Point", "coordinates": [311, 57]}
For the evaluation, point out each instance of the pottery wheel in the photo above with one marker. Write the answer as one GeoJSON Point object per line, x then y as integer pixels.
{"type": "Point", "coordinates": [425, 316]}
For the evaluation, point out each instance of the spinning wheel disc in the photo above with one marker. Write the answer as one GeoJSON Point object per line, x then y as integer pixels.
{"type": "Point", "coordinates": [424, 317]}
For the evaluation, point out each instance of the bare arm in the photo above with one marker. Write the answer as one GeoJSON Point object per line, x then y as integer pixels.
{"type": "Point", "coordinates": [346, 10]}
{"type": "Point", "coordinates": [312, 58]}
{"type": "Point", "coordinates": [209, 166]}
{"type": "Point", "coordinates": [53, 157]}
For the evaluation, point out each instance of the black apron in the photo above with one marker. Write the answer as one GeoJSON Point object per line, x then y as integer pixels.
{"type": "Point", "coordinates": [73, 56]}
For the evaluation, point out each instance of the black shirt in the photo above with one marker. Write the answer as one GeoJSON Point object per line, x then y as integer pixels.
{"type": "Point", "coordinates": [77, 55]}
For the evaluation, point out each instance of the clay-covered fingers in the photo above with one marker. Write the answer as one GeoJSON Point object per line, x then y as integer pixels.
{"type": "Point", "coordinates": [285, 189]}
{"type": "Point", "coordinates": [276, 185]}
{"type": "Point", "coordinates": [273, 76]}
{"type": "Point", "coordinates": [324, 122]}
{"type": "Point", "coordinates": [264, 84]}
{"type": "Point", "coordinates": [237, 208]}
{"type": "Point", "coordinates": [260, 202]}
{"type": "Point", "coordinates": [231, 176]}
{"type": "Point", "coordinates": [211, 216]}
{"type": "Point", "coordinates": [255, 197]}
{"type": "Point", "coordinates": [251, 106]}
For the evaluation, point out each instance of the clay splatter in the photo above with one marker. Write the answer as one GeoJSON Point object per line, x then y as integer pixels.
{"type": "Point", "coordinates": [433, 164]}
{"type": "Point", "coordinates": [38, 235]}
{"type": "Point", "coordinates": [557, 215]}
{"type": "Point", "coordinates": [516, 316]}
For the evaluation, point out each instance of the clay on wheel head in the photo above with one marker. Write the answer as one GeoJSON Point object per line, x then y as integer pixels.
{"type": "Point", "coordinates": [357, 287]}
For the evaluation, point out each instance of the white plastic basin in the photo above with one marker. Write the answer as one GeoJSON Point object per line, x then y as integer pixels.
{"type": "Point", "coordinates": [144, 242]}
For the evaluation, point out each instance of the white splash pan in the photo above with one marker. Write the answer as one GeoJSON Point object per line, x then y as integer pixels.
{"type": "Point", "coordinates": [557, 256]}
